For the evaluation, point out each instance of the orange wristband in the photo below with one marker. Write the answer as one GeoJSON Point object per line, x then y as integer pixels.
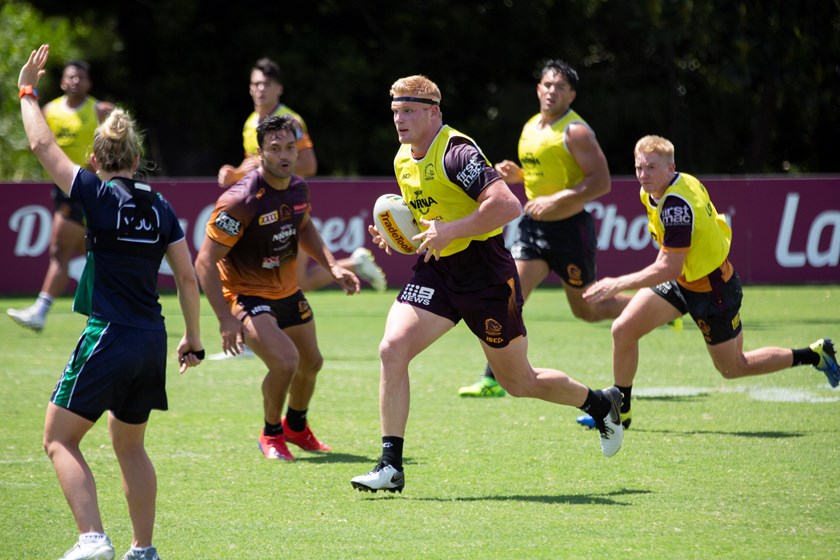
{"type": "Point", "coordinates": [28, 90]}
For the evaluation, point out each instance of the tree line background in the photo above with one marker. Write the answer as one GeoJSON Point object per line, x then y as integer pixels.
{"type": "Point", "coordinates": [740, 86]}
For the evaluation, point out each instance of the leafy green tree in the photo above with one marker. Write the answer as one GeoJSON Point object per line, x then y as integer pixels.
{"type": "Point", "coordinates": [23, 29]}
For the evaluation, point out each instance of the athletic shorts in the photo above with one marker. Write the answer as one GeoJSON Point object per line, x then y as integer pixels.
{"type": "Point", "coordinates": [67, 207]}
{"type": "Point", "coordinates": [289, 311]}
{"type": "Point", "coordinates": [116, 368]}
{"type": "Point", "coordinates": [493, 312]}
{"type": "Point", "coordinates": [568, 246]}
{"type": "Point", "coordinates": [717, 313]}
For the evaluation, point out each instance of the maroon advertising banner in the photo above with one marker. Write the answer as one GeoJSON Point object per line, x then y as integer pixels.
{"type": "Point", "coordinates": [785, 230]}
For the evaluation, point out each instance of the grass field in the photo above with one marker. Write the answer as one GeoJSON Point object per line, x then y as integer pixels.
{"type": "Point", "coordinates": [710, 469]}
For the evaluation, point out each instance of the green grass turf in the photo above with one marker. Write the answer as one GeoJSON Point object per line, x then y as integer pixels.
{"type": "Point", "coordinates": [710, 469]}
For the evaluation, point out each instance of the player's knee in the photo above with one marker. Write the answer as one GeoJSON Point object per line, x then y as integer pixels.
{"type": "Point", "coordinates": [283, 364]}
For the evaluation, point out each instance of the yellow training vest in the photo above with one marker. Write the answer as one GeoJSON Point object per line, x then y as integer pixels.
{"type": "Point", "coordinates": [429, 192]}
{"type": "Point", "coordinates": [73, 128]}
{"type": "Point", "coordinates": [545, 159]}
{"type": "Point", "coordinates": [249, 131]}
{"type": "Point", "coordinates": [711, 236]}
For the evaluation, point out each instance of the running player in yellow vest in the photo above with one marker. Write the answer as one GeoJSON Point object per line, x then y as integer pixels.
{"type": "Point", "coordinates": [266, 88]}
{"type": "Point", "coordinates": [73, 119]}
{"type": "Point", "coordinates": [563, 168]}
{"type": "Point", "coordinates": [692, 274]}
{"type": "Point", "coordinates": [463, 272]}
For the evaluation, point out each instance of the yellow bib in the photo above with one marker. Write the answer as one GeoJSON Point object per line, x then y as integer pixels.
{"type": "Point", "coordinates": [429, 192]}
{"type": "Point", "coordinates": [547, 163]}
{"type": "Point", "coordinates": [249, 131]}
{"type": "Point", "coordinates": [73, 128]}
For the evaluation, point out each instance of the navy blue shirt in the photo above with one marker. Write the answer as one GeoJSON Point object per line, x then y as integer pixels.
{"type": "Point", "coordinates": [117, 286]}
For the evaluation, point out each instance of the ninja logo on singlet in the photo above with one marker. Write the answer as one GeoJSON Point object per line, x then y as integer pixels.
{"type": "Point", "coordinates": [421, 204]}
{"type": "Point", "coordinates": [417, 294]}
{"type": "Point", "coordinates": [470, 173]}
{"type": "Point", "coordinates": [138, 227]}
{"type": "Point", "coordinates": [529, 159]}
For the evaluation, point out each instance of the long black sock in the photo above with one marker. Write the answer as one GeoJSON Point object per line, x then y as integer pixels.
{"type": "Point", "coordinates": [392, 451]}
{"type": "Point", "coordinates": [489, 372]}
{"type": "Point", "coordinates": [802, 356]}
{"type": "Point", "coordinates": [625, 397]}
{"type": "Point", "coordinates": [596, 405]}
{"type": "Point", "coordinates": [273, 429]}
{"type": "Point", "coordinates": [296, 419]}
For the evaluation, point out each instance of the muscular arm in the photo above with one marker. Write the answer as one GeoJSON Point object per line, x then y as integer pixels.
{"type": "Point", "coordinates": [311, 242]}
{"type": "Point", "coordinates": [208, 275]}
{"type": "Point", "coordinates": [587, 152]}
{"type": "Point", "coordinates": [497, 205]}
{"type": "Point", "coordinates": [666, 267]}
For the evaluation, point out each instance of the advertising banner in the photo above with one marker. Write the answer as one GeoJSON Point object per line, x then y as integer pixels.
{"type": "Point", "coordinates": [785, 230]}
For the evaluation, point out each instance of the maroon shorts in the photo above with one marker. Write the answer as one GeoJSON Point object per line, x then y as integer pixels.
{"type": "Point", "coordinates": [492, 310]}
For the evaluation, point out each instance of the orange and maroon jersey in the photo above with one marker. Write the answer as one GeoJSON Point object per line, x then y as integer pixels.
{"type": "Point", "coordinates": [260, 224]}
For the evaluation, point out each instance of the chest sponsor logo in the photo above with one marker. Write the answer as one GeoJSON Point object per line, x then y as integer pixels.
{"type": "Point", "coordinates": [269, 218]}
{"type": "Point", "coordinates": [529, 159]}
{"type": "Point", "coordinates": [412, 293]}
{"type": "Point", "coordinates": [286, 232]}
{"type": "Point", "coordinates": [421, 203]}
{"type": "Point", "coordinates": [270, 263]}
{"type": "Point", "coordinates": [228, 223]}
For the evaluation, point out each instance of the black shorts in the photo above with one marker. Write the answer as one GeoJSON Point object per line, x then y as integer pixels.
{"type": "Point", "coordinates": [492, 312]}
{"type": "Point", "coordinates": [67, 207]}
{"type": "Point", "coordinates": [116, 368]}
{"type": "Point", "coordinates": [717, 313]}
{"type": "Point", "coordinates": [568, 246]}
{"type": "Point", "coordinates": [289, 311]}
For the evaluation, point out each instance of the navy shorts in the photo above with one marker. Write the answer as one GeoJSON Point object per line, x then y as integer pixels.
{"type": "Point", "coordinates": [289, 311]}
{"type": "Point", "coordinates": [568, 246]}
{"type": "Point", "coordinates": [116, 368]}
{"type": "Point", "coordinates": [493, 312]}
{"type": "Point", "coordinates": [717, 313]}
{"type": "Point", "coordinates": [67, 207]}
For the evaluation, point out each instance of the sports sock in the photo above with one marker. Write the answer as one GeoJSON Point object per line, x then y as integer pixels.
{"type": "Point", "coordinates": [625, 397]}
{"type": "Point", "coordinates": [489, 373]}
{"type": "Point", "coordinates": [596, 405]}
{"type": "Point", "coordinates": [803, 356]}
{"type": "Point", "coordinates": [392, 451]}
{"type": "Point", "coordinates": [42, 304]}
{"type": "Point", "coordinates": [296, 419]}
{"type": "Point", "coordinates": [273, 429]}
{"type": "Point", "coordinates": [92, 538]}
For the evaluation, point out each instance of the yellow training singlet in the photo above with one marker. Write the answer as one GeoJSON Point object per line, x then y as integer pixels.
{"type": "Point", "coordinates": [73, 128]}
{"type": "Point", "coordinates": [249, 131]}
{"type": "Point", "coordinates": [545, 159]}
{"type": "Point", "coordinates": [428, 191]}
{"type": "Point", "coordinates": [711, 236]}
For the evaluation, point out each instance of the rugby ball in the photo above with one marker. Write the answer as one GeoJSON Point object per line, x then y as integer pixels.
{"type": "Point", "coordinates": [395, 223]}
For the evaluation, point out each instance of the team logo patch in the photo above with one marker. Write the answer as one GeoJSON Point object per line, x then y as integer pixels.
{"type": "Point", "coordinates": [705, 329]}
{"type": "Point", "coordinates": [493, 331]}
{"type": "Point", "coordinates": [417, 294]}
{"type": "Point", "coordinates": [269, 218]}
{"type": "Point", "coordinates": [429, 172]}
{"type": "Point", "coordinates": [228, 223]}
{"type": "Point", "coordinates": [304, 309]}
{"type": "Point", "coordinates": [575, 275]}
{"type": "Point", "coordinates": [285, 212]}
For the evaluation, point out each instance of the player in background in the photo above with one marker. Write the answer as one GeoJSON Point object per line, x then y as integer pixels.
{"type": "Point", "coordinates": [692, 274]}
{"type": "Point", "coordinates": [463, 272]}
{"type": "Point", "coordinates": [119, 364]}
{"type": "Point", "coordinates": [563, 168]}
{"type": "Point", "coordinates": [266, 88]}
{"type": "Point", "coordinates": [72, 118]}
{"type": "Point", "coordinates": [246, 266]}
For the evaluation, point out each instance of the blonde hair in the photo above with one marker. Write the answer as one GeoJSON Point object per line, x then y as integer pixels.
{"type": "Point", "coordinates": [652, 144]}
{"type": "Point", "coordinates": [416, 86]}
{"type": "Point", "coordinates": [116, 143]}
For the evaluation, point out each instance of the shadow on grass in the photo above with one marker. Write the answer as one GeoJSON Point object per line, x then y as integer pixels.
{"type": "Point", "coordinates": [772, 434]}
{"type": "Point", "coordinates": [603, 499]}
{"type": "Point", "coordinates": [331, 457]}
